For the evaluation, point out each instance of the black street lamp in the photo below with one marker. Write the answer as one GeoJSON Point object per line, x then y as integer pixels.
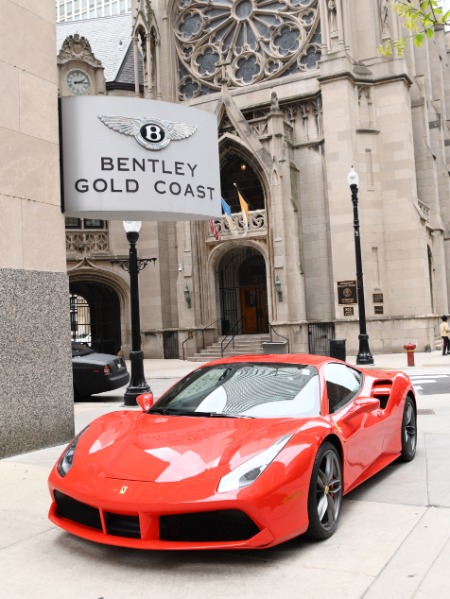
{"type": "Point", "coordinates": [364, 356]}
{"type": "Point", "coordinates": [138, 384]}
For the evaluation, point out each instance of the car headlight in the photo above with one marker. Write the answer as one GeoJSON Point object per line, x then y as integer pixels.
{"type": "Point", "coordinates": [66, 460]}
{"type": "Point", "coordinates": [249, 471]}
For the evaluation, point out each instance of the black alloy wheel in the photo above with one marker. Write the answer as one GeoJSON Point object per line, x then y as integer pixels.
{"type": "Point", "coordinates": [409, 431]}
{"type": "Point", "coordinates": [325, 493]}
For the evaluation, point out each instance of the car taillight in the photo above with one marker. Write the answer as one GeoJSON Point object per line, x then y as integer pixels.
{"type": "Point", "coordinates": [106, 370]}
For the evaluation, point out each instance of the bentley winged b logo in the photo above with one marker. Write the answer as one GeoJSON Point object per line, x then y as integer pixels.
{"type": "Point", "coordinates": [151, 133]}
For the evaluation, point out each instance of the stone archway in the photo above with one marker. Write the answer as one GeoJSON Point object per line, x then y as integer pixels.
{"type": "Point", "coordinates": [100, 315]}
{"type": "Point", "coordinates": [105, 298]}
{"type": "Point", "coordinates": [238, 173]}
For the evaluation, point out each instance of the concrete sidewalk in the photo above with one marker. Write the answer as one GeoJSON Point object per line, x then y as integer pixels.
{"type": "Point", "coordinates": [393, 540]}
{"type": "Point", "coordinates": [435, 359]}
{"type": "Point", "coordinates": [399, 361]}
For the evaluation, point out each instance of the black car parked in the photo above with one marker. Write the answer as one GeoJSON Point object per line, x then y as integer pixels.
{"type": "Point", "coordinates": [94, 372]}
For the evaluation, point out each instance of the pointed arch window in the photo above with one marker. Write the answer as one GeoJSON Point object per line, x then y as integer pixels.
{"type": "Point", "coordinates": [146, 44]}
{"type": "Point", "coordinates": [238, 174]}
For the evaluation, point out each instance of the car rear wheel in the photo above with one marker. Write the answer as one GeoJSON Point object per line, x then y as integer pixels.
{"type": "Point", "coordinates": [409, 432]}
{"type": "Point", "coordinates": [325, 493]}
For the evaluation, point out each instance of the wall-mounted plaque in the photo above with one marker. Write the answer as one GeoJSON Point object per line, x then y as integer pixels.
{"type": "Point", "coordinates": [379, 309]}
{"type": "Point", "coordinates": [347, 292]}
{"type": "Point", "coordinates": [348, 310]}
{"type": "Point", "coordinates": [377, 298]}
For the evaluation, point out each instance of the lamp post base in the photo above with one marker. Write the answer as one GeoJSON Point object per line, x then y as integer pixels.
{"type": "Point", "coordinates": [138, 384]}
{"type": "Point", "coordinates": [364, 355]}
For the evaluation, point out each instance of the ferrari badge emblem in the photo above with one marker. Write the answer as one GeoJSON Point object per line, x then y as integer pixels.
{"type": "Point", "coordinates": [123, 490]}
{"type": "Point", "coordinates": [151, 133]}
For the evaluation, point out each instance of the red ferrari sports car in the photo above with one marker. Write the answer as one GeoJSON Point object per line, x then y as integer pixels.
{"type": "Point", "coordinates": [243, 452]}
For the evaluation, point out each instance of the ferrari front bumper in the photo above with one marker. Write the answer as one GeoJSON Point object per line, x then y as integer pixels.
{"type": "Point", "coordinates": [183, 515]}
{"type": "Point", "coordinates": [210, 528]}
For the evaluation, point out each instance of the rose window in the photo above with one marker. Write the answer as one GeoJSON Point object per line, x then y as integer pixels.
{"type": "Point", "coordinates": [244, 41]}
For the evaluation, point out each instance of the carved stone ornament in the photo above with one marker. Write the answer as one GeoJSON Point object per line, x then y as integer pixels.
{"type": "Point", "coordinates": [256, 40]}
{"type": "Point", "coordinates": [384, 18]}
{"type": "Point", "coordinates": [76, 47]}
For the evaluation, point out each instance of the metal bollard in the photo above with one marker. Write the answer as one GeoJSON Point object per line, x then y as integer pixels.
{"type": "Point", "coordinates": [410, 347]}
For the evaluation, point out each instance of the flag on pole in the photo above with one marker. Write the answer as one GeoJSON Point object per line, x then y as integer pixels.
{"type": "Point", "coordinates": [231, 224]}
{"type": "Point", "coordinates": [214, 230]}
{"type": "Point", "coordinates": [244, 208]}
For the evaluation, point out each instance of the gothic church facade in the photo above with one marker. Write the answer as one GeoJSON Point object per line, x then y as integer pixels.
{"type": "Point", "coordinates": [301, 94]}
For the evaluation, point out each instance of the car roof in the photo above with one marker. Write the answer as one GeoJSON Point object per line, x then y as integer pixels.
{"type": "Point", "coordinates": [310, 359]}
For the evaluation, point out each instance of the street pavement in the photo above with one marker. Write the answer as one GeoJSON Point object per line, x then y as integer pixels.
{"type": "Point", "coordinates": [393, 540]}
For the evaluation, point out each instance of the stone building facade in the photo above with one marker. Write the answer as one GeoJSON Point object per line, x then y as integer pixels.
{"type": "Point", "coordinates": [301, 94]}
{"type": "Point", "coordinates": [36, 399]}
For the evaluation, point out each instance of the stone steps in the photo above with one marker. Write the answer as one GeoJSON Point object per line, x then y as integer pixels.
{"type": "Point", "coordinates": [242, 344]}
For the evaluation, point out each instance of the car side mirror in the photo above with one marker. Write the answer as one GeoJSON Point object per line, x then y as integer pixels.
{"type": "Point", "coordinates": [145, 401]}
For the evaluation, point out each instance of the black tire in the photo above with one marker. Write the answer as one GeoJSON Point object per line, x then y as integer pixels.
{"type": "Point", "coordinates": [409, 431]}
{"type": "Point", "coordinates": [325, 493]}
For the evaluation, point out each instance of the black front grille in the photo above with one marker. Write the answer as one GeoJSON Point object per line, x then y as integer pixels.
{"type": "Point", "coordinates": [78, 512]}
{"type": "Point", "coordinates": [123, 526]}
{"type": "Point", "coordinates": [223, 525]}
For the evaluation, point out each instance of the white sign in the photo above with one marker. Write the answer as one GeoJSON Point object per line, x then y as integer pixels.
{"type": "Point", "coordinates": [134, 159]}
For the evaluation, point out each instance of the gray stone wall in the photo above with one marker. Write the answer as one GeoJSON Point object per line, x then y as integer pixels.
{"type": "Point", "coordinates": [36, 390]}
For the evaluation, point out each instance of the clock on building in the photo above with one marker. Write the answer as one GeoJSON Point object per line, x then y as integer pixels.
{"type": "Point", "coordinates": [78, 82]}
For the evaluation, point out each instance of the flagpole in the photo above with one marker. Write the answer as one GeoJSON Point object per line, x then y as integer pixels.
{"type": "Point", "coordinates": [231, 224]}
{"type": "Point", "coordinates": [244, 208]}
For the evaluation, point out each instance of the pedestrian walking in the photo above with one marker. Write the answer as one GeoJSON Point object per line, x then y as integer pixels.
{"type": "Point", "coordinates": [445, 332]}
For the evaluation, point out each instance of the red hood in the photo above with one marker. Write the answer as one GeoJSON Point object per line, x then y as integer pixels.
{"type": "Point", "coordinates": [154, 448]}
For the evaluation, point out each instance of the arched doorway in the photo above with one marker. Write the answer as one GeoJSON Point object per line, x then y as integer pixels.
{"type": "Point", "coordinates": [243, 292]}
{"type": "Point", "coordinates": [95, 314]}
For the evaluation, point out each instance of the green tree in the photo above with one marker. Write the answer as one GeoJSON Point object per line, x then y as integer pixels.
{"type": "Point", "coordinates": [420, 17]}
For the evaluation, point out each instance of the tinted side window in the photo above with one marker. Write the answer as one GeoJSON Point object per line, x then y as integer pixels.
{"type": "Point", "coordinates": [343, 383]}
{"type": "Point", "coordinates": [79, 349]}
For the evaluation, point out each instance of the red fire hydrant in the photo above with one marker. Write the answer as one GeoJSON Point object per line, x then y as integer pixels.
{"type": "Point", "coordinates": [410, 347]}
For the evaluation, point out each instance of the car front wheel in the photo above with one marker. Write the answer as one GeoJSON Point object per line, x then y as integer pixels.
{"type": "Point", "coordinates": [325, 493]}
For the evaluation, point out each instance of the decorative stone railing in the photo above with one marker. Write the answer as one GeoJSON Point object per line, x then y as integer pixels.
{"type": "Point", "coordinates": [226, 230]}
{"type": "Point", "coordinates": [87, 242]}
{"type": "Point", "coordinates": [425, 209]}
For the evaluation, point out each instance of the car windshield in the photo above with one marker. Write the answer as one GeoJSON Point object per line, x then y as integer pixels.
{"type": "Point", "coordinates": [79, 349]}
{"type": "Point", "coordinates": [257, 390]}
